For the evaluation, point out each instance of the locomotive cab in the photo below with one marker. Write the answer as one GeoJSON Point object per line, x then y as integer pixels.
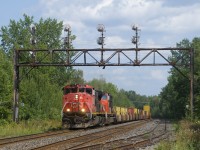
{"type": "Point", "coordinates": [78, 103]}
{"type": "Point", "coordinates": [106, 103]}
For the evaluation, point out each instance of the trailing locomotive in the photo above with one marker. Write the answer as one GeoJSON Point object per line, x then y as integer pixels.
{"type": "Point", "coordinates": [83, 106]}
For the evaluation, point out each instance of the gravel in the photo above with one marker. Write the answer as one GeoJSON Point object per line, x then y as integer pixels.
{"type": "Point", "coordinates": [44, 141]}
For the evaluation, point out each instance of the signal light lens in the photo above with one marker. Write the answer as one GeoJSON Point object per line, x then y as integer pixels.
{"type": "Point", "coordinates": [68, 110]}
{"type": "Point", "coordinates": [76, 96]}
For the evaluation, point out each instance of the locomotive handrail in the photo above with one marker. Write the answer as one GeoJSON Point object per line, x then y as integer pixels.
{"type": "Point", "coordinates": [106, 115]}
{"type": "Point", "coordinates": [63, 108]}
{"type": "Point", "coordinates": [89, 110]}
{"type": "Point", "coordinates": [104, 110]}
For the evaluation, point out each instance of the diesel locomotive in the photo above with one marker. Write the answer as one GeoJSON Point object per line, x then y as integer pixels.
{"type": "Point", "coordinates": [83, 106]}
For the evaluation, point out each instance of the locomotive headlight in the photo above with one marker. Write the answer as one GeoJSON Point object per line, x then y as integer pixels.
{"type": "Point", "coordinates": [68, 110]}
{"type": "Point", "coordinates": [76, 96]}
{"type": "Point", "coordinates": [83, 109]}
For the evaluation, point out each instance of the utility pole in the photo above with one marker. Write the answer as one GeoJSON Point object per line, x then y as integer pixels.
{"type": "Point", "coordinates": [16, 87]}
{"type": "Point", "coordinates": [16, 74]}
{"type": "Point", "coordinates": [192, 82]}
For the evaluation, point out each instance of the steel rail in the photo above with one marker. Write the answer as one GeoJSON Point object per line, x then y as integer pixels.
{"type": "Point", "coordinates": [100, 145]}
{"type": "Point", "coordinates": [79, 141]}
{"type": "Point", "coordinates": [140, 142]}
{"type": "Point", "coordinates": [11, 140]}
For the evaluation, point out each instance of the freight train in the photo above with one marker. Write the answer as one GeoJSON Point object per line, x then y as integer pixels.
{"type": "Point", "coordinates": [83, 106]}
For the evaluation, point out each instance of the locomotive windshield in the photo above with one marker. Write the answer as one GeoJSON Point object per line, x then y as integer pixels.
{"type": "Point", "coordinates": [66, 91]}
{"type": "Point", "coordinates": [88, 90]}
{"type": "Point", "coordinates": [70, 90]}
{"type": "Point", "coordinates": [75, 90]}
{"type": "Point", "coordinates": [104, 97]}
{"type": "Point", "coordinates": [81, 90]}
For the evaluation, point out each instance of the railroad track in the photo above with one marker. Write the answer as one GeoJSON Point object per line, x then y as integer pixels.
{"type": "Point", "coordinates": [132, 142]}
{"type": "Point", "coordinates": [140, 143]}
{"type": "Point", "coordinates": [11, 140]}
{"type": "Point", "coordinates": [82, 140]}
{"type": "Point", "coordinates": [140, 140]}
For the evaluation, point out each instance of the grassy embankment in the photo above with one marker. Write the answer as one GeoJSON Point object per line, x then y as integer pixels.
{"type": "Point", "coordinates": [187, 137]}
{"type": "Point", "coordinates": [28, 127]}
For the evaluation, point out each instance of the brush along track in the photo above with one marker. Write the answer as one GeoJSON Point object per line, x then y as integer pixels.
{"type": "Point", "coordinates": [98, 136]}
{"type": "Point", "coordinates": [12, 140]}
{"type": "Point", "coordinates": [137, 141]}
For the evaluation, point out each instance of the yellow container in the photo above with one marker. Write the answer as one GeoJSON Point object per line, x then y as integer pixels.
{"type": "Point", "coordinates": [117, 110]}
{"type": "Point", "coordinates": [135, 111]}
{"type": "Point", "coordinates": [124, 111]}
{"type": "Point", "coordinates": [146, 108]}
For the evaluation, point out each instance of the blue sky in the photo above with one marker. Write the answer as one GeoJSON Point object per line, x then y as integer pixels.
{"type": "Point", "coordinates": [163, 23]}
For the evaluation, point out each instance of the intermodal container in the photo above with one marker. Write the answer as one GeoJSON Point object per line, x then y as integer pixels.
{"type": "Point", "coordinates": [146, 108]}
{"type": "Point", "coordinates": [117, 110]}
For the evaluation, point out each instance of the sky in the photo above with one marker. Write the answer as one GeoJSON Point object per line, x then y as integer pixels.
{"type": "Point", "coordinates": [162, 23]}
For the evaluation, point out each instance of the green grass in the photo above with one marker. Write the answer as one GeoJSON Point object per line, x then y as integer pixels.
{"type": "Point", "coordinates": [28, 127]}
{"type": "Point", "coordinates": [187, 137]}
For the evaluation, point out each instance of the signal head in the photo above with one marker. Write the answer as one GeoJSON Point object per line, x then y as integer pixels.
{"type": "Point", "coordinates": [101, 28]}
{"type": "Point", "coordinates": [67, 28]}
{"type": "Point", "coordinates": [32, 28]}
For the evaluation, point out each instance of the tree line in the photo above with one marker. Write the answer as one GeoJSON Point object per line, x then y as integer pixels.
{"type": "Point", "coordinates": [174, 99]}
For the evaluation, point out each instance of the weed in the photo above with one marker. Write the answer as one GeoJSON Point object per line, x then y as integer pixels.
{"type": "Point", "coordinates": [28, 127]}
{"type": "Point", "coordinates": [187, 137]}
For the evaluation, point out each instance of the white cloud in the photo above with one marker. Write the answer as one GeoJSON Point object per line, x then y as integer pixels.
{"type": "Point", "coordinates": [143, 80]}
{"type": "Point", "coordinates": [161, 22]}
{"type": "Point", "coordinates": [119, 71]}
{"type": "Point", "coordinates": [158, 74]}
{"type": "Point", "coordinates": [177, 19]}
{"type": "Point", "coordinates": [139, 8]}
{"type": "Point", "coordinates": [96, 11]}
{"type": "Point", "coordinates": [116, 42]}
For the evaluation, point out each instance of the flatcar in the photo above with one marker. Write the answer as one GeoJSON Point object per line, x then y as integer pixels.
{"type": "Point", "coordinates": [83, 106]}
